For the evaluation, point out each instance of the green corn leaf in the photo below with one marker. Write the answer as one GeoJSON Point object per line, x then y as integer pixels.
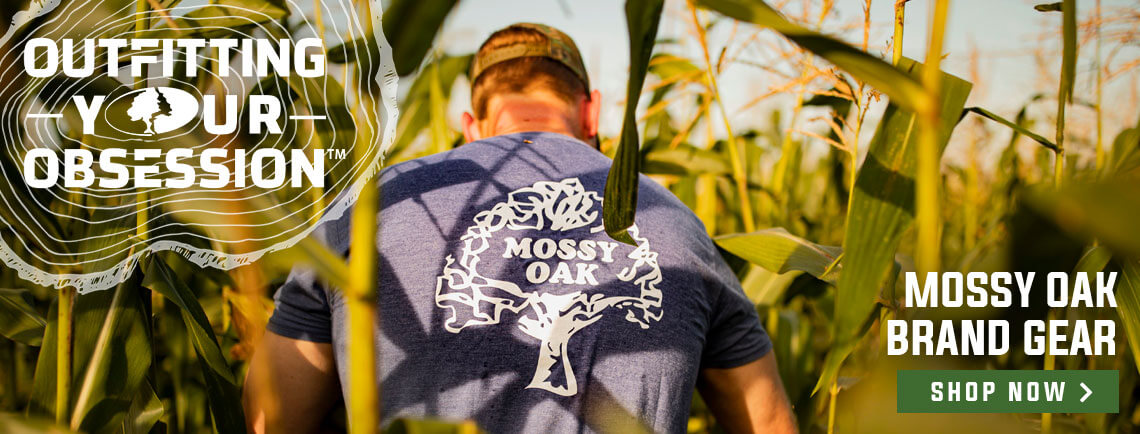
{"type": "Point", "coordinates": [1125, 157]}
{"type": "Point", "coordinates": [410, 26]}
{"type": "Point", "coordinates": [146, 409]}
{"type": "Point", "coordinates": [675, 69]}
{"type": "Point", "coordinates": [19, 321]}
{"type": "Point", "coordinates": [42, 400]}
{"type": "Point", "coordinates": [1105, 212]}
{"type": "Point", "coordinates": [778, 251]}
{"type": "Point", "coordinates": [903, 90]}
{"type": "Point", "coordinates": [1018, 129]}
{"type": "Point", "coordinates": [351, 51]}
{"type": "Point", "coordinates": [1128, 302]}
{"type": "Point", "coordinates": [14, 189]}
{"type": "Point", "coordinates": [1094, 260]}
{"type": "Point", "coordinates": [620, 204]}
{"type": "Point", "coordinates": [21, 424]}
{"type": "Point", "coordinates": [111, 357]}
{"type": "Point", "coordinates": [415, 113]}
{"type": "Point", "coordinates": [111, 343]}
{"type": "Point", "coordinates": [881, 212]}
{"type": "Point", "coordinates": [224, 399]}
{"type": "Point", "coordinates": [685, 159]}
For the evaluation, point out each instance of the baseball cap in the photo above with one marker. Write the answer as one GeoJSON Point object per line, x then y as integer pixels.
{"type": "Point", "coordinates": [557, 47]}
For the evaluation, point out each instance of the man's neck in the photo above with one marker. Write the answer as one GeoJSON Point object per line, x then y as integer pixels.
{"type": "Point", "coordinates": [517, 115]}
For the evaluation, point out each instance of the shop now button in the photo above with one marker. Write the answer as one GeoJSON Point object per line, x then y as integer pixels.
{"type": "Point", "coordinates": [979, 391]}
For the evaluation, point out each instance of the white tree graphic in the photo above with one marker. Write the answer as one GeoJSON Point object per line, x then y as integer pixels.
{"type": "Point", "coordinates": [553, 318]}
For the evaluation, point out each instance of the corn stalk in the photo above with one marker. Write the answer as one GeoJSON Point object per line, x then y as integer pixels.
{"type": "Point", "coordinates": [360, 295]}
{"type": "Point", "coordinates": [1100, 156]}
{"type": "Point", "coordinates": [897, 39]}
{"type": "Point", "coordinates": [929, 247]}
{"type": "Point", "coordinates": [739, 177]}
{"type": "Point", "coordinates": [780, 172]}
{"type": "Point", "coordinates": [63, 357]}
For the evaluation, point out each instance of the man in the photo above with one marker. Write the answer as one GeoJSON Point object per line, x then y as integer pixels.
{"type": "Point", "coordinates": [503, 301]}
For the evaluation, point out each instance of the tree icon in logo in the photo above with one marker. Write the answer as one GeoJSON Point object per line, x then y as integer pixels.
{"type": "Point", "coordinates": [162, 109]}
{"type": "Point", "coordinates": [477, 300]}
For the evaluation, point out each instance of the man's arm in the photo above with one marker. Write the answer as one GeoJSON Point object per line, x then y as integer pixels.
{"type": "Point", "coordinates": [749, 398]}
{"type": "Point", "coordinates": [290, 386]}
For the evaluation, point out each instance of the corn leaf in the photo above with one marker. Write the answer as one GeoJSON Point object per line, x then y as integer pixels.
{"type": "Point", "coordinates": [674, 69]}
{"type": "Point", "coordinates": [684, 159]}
{"type": "Point", "coordinates": [1094, 260]}
{"type": "Point", "coordinates": [1126, 152]}
{"type": "Point", "coordinates": [15, 190]}
{"type": "Point", "coordinates": [21, 424]}
{"type": "Point", "coordinates": [19, 321]}
{"type": "Point", "coordinates": [1105, 212]}
{"type": "Point", "coordinates": [778, 251]}
{"type": "Point", "coordinates": [415, 113]}
{"type": "Point", "coordinates": [410, 26]}
{"type": "Point", "coordinates": [42, 400]}
{"type": "Point", "coordinates": [111, 357]}
{"type": "Point", "coordinates": [882, 210]}
{"type": "Point", "coordinates": [1128, 302]}
{"type": "Point", "coordinates": [620, 204]}
{"type": "Point", "coordinates": [224, 399]}
{"type": "Point", "coordinates": [146, 409]}
{"type": "Point", "coordinates": [111, 339]}
{"type": "Point", "coordinates": [1018, 129]}
{"type": "Point", "coordinates": [903, 90]}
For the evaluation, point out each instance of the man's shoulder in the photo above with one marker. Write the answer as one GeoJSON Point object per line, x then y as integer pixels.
{"type": "Point", "coordinates": [482, 159]}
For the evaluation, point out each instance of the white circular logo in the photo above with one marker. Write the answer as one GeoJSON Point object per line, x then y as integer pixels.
{"type": "Point", "coordinates": [159, 110]}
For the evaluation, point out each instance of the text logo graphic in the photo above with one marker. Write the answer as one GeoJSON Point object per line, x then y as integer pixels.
{"type": "Point", "coordinates": [220, 131]}
{"type": "Point", "coordinates": [569, 258]}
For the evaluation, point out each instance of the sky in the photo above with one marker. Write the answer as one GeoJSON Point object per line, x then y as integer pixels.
{"type": "Point", "coordinates": [1004, 32]}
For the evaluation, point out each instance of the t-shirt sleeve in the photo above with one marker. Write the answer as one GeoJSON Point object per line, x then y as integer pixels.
{"type": "Point", "coordinates": [302, 310]}
{"type": "Point", "coordinates": [735, 335]}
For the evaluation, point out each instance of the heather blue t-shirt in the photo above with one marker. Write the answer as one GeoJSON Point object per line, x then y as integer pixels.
{"type": "Point", "coordinates": [503, 301]}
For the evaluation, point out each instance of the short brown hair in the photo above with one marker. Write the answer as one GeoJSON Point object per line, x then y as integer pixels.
{"type": "Point", "coordinates": [524, 74]}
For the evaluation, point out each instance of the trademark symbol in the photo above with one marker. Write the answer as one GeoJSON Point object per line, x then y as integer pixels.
{"type": "Point", "coordinates": [337, 154]}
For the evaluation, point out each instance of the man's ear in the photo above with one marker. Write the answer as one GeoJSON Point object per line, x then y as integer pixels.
{"type": "Point", "coordinates": [593, 110]}
{"type": "Point", "coordinates": [470, 128]}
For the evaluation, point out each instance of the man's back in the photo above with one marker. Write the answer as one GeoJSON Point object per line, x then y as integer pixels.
{"type": "Point", "coordinates": [502, 300]}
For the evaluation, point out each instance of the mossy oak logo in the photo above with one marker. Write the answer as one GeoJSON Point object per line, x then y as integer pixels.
{"type": "Point", "coordinates": [551, 229]}
{"type": "Point", "coordinates": [216, 130]}
{"type": "Point", "coordinates": [160, 109]}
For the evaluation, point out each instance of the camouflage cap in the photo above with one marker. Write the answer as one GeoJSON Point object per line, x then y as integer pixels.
{"type": "Point", "coordinates": [558, 47]}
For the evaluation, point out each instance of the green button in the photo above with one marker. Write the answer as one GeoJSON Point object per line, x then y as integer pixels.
{"type": "Point", "coordinates": [933, 391]}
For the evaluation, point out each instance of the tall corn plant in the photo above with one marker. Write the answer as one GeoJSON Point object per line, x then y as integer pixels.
{"type": "Point", "coordinates": [905, 92]}
{"type": "Point", "coordinates": [620, 204]}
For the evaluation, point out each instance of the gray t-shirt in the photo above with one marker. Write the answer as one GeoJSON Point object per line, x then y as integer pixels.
{"type": "Point", "coordinates": [503, 301]}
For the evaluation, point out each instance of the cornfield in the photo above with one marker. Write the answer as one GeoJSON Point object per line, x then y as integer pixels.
{"type": "Point", "coordinates": [819, 240]}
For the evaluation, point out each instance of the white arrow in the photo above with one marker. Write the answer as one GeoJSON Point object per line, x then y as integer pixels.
{"type": "Point", "coordinates": [1087, 392]}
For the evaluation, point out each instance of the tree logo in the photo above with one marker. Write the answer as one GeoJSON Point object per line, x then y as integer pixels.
{"type": "Point", "coordinates": [567, 260]}
{"type": "Point", "coordinates": [160, 109]}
